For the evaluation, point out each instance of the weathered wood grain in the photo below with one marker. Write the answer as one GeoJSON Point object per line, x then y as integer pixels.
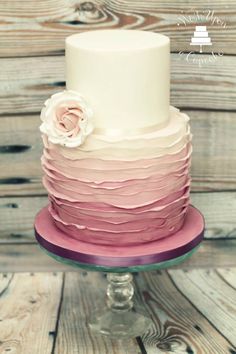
{"type": "Point", "coordinates": [40, 27]}
{"type": "Point", "coordinates": [82, 293]}
{"type": "Point", "coordinates": [29, 257]}
{"type": "Point", "coordinates": [52, 311]}
{"type": "Point", "coordinates": [213, 163]}
{"type": "Point", "coordinates": [17, 215]}
{"type": "Point", "coordinates": [29, 308]}
{"type": "Point", "coordinates": [228, 275]}
{"type": "Point", "coordinates": [25, 83]}
{"type": "Point", "coordinates": [213, 297]}
{"type": "Point", "coordinates": [20, 153]}
{"type": "Point", "coordinates": [219, 210]}
{"type": "Point", "coordinates": [214, 150]}
{"type": "Point", "coordinates": [17, 218]}
{"type": "Point", "coordinates": [179, 326]}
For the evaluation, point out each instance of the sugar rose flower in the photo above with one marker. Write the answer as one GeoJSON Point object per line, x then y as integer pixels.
{"type": "Point", "coordinates": [66, 119]}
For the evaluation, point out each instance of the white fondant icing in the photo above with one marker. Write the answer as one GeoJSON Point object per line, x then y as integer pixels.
{"type": "Point", "coordinates": [124, 74]}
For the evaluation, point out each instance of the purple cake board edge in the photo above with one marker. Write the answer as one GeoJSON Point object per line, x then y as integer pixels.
{"type": "Point", "coordinates": [125, 260]}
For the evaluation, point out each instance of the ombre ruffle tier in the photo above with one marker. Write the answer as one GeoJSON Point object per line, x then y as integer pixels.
{"type": "Point", "coordinates": [122, 191]}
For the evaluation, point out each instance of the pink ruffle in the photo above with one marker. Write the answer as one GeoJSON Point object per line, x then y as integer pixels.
{"type": "Point", "coordinates": [126, 200]}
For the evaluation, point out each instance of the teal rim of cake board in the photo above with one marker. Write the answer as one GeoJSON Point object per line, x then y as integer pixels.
{"type": "Point", "coordinates": [131, 269]}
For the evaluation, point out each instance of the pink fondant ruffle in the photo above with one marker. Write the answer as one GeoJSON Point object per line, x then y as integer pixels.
{"type": "Point", "coordinates": [120, 237]}
{"type": "Point", "coordinates": [121, 191]}
{"type": "Point", "coordinates": [118, 215]}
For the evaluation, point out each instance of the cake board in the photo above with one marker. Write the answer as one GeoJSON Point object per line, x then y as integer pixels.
{"type": "Point", "coordinates": [119, 320]}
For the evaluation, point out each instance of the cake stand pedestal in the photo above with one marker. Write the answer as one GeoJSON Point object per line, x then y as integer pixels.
{"type": "Point", "coordinates": [119, 319]}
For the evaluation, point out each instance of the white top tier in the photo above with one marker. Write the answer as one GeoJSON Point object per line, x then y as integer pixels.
{"type": "Point", "coordinates": [123, 75]}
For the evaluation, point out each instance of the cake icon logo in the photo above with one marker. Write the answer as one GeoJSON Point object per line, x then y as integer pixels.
{"type": "Point", "coordinates": [194, 26]}
{"type": "Point", "coordinates": [201, 37]}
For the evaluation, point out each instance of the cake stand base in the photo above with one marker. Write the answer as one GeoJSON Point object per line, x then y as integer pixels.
{"type": "Point", "coordinates": [120, 325]}
{"type": "Point", "coordinates": [119, 319]}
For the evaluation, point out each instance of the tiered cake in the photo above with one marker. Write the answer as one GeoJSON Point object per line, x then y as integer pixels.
{"type": "Point", "coordinates": [200, 37]}
{"type": "Point", "coordinates": [117, 156]}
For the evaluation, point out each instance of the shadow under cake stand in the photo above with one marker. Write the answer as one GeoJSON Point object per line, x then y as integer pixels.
{"type": "Point", "coordinates": [119, 319]}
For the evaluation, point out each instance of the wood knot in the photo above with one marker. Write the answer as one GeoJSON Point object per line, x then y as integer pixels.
{"type": "Point", "coordinates": [164, 346]}
{"type": "Point", "coordinates": [87, 6]}
{"type": "Point", "coordinates": [12, 205]}
{"type": "Point", "coordinates": [198, 328]}
{"type": "Point", "coordinates": [88, 12]}
{"type": "Point", "coordinates": [52, 333]}
{"type": "Point", "coordinates": [14, 180]}
{"type": "Point", "coordinates": [33, 301]}
{"type": "Point", "coordinates": [10, 149]}
{"type": "Point", "coordinates": [189, 350]}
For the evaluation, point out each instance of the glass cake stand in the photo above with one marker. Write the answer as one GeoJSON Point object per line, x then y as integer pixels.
{"type": "Point", "coordinates": [119, 319]}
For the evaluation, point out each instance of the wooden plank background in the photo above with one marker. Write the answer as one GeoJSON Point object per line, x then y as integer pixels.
{"type": "Point", "coordinates": [32, 35]}
{"type": "Point", "coordinates": [39, 27]}
{"type": "Point", "coordinates": [53, 309]}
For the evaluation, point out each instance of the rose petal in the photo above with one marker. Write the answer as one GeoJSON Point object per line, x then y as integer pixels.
{"type": "Point", "coordinates": [60, 111]}
{"type": "Point", "coordinates": [76, 110]}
